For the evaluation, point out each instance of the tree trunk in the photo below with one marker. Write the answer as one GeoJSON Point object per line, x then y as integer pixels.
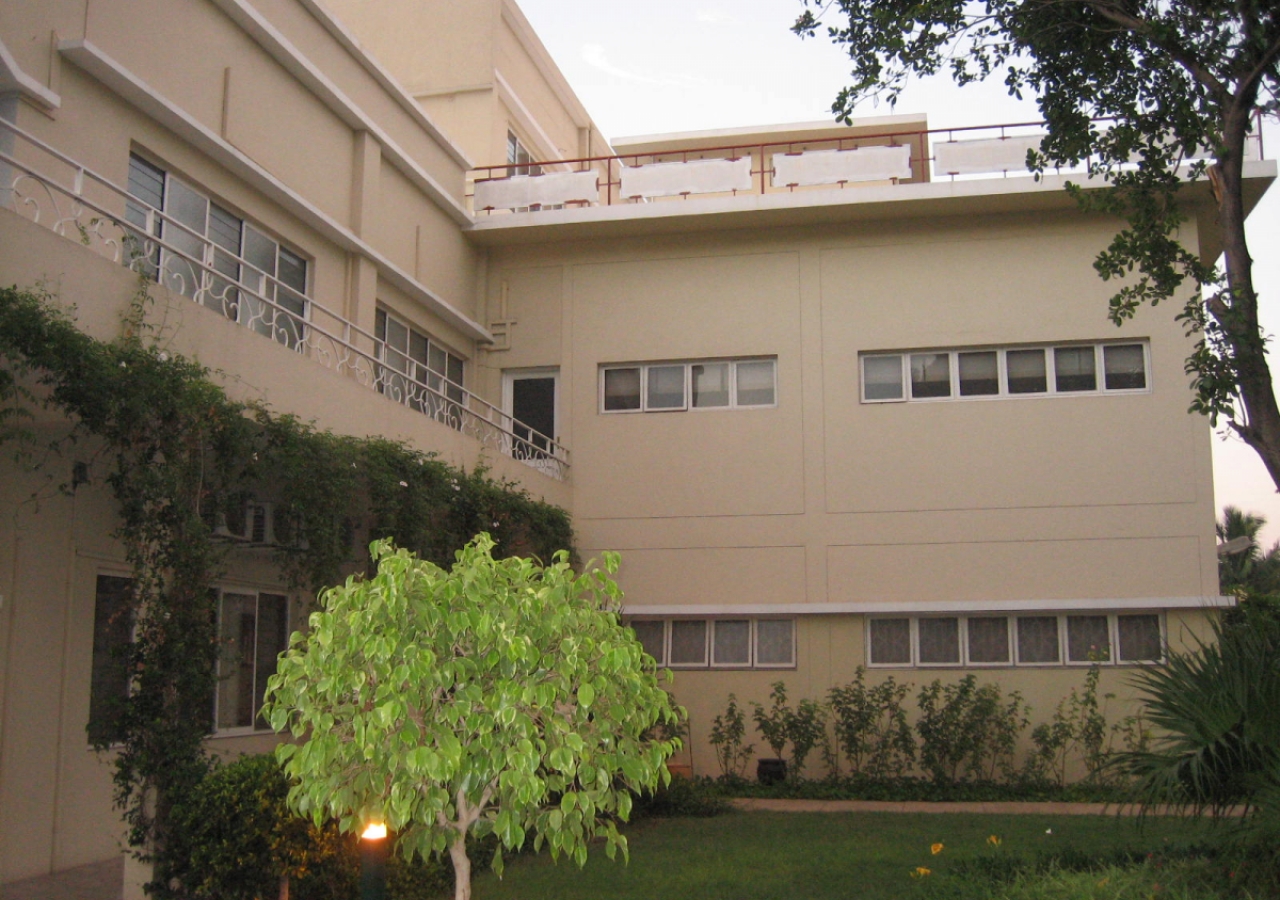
{"type": "Point", "coordinates": [461, 869]}
{"type": "Point", "coordinates": [1259, 425]}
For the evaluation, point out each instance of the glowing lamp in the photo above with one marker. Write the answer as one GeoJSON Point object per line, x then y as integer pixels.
{"type": "Point", "coordinates": [375, 831]}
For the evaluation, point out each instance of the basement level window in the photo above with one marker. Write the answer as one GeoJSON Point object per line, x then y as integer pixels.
{"type": "Point", "coordinates": [721, 643]}
{"type": "Point", "coordinates": [1031, 639]}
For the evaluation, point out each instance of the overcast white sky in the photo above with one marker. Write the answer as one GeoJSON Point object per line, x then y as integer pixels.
{"type": "Point", "coordinates": [694, 65]}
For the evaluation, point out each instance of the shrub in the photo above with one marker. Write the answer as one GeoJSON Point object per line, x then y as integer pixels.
{"type": "Point", "coordinates": [806, 728]}
{"type": "Point", "coordinates": [773, 725]}
{"type": "Point", "coordinates": [727, 732]}
{"type": "Point", "coordinates": [968, 730]}
{"type": "Point", "coordinates": [1078, 724]}
{"type": "Point", "coordinates": [871, 726]}
{"type": "Point", "coordinates": [682, 797]}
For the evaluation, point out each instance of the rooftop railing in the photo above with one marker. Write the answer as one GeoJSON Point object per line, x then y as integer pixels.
{"type": "Point", "coordinates": [51, 189]}
{"type": "Point", "coordinates": [807, 164]}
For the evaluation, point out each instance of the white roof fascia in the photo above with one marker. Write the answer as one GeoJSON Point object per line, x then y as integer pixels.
{"type": "Point", "coordinates": [397, 91]}
{"type": "Point", "coordinates": [12, 77]}
{"type": "Point", "coordinates": [141, 95]}
{"type": "Point", "coordinates": [910, 607]}
{"type": "Point", "coordinates": [289, 56]}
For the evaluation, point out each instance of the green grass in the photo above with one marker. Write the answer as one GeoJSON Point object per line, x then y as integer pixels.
{"type": "Point", "coordinates": [763, 856]}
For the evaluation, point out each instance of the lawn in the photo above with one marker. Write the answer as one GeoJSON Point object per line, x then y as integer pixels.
{"type": "Point", "coordinates": [763, 856]}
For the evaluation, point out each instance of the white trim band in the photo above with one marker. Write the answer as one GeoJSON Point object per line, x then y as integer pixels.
{"type": "Point", "coordinates": [969, 607]}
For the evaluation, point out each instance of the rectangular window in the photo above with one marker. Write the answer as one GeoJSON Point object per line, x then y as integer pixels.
{"type": "Point", "coordinates": [418, 372]}
{"type": "Point", "coordinates": [988, 641]}
{"type": "Point", "coordinates": [678, 386]}
{"type": "Point", "coordinates": [881, 378]}
{"type": "Point", "coordinates": [1024, 640]}
{"type": "Point", "coordinates": [217, 258]}
{"type": "Point", "coordinates": [688, 642]}
{"type": "Point", "coordinates": [731, 642]}
{"type": "Point", "coordinates": [109, 684]}
{"type": "Point", "coordinates": [718, 643]}
{"type": "Point", "coordinates": [1124, 367]}
{"type": "Point", "coordinates": [930, 375]}
{"type": "Point", "coordinates": [939, 641]}
{"type": "Point", "coordinates": [961, 374]}
{"type": "Point", "coordinates": [890, 642]}
{"type": "Point", "coordinates": [652, 635]}
{"type": "Point", "coordinates": [1026, 372]}
{"type": "Point", "coordinates": [1088, 639]}
{"type": "Point", "coordinates": [1073, 369]}
{"type": "Point", "coordinates": [1038, 640]}
{"type": "Point", "coordinates": [1139, 638]}
{"type": "Point", "coordinates": [775, 642]}
{"type": "Point", "coordinates": [253, 630]}
{"type": "Point", "coordinates": [979, 374]}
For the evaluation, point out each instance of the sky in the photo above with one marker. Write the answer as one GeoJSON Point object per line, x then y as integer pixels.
{"type": "Point", "coordinates": [696, 65]}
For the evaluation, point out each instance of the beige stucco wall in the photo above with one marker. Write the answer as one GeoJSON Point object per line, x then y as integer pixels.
{"type": "Point", "coordinates": [825, 500]}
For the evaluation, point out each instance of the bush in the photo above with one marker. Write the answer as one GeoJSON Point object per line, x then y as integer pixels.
{"type": "Point", "coordinates": [969, 730]}
{"type": "Point", "coordinates": [871, 726]}
{"type": "Point", "coordinates": [727, 732]}
{"type": "Point", "coordinates": [683, 797]}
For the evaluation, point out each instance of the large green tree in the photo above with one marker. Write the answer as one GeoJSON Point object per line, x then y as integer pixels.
{"type": "Point", "coordinates": [500, 697]}
{"type": "Point", "coordinates": [1134, 88]}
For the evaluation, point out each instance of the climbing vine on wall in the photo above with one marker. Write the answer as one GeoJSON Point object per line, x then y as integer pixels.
{"type": "Point", "coordinates": [180, 457]}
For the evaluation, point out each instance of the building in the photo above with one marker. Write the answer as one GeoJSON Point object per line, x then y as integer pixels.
{"type": "Point", "coordinates": [839, 396]}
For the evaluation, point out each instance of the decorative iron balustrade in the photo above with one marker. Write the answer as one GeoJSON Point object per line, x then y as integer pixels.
{"type": "Point", "coordinates": [92, 210]}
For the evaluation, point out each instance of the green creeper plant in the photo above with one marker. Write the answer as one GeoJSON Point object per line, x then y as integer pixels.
{"type": "Point", "coordinates": [727, 732]}
{"type": "Point", "coordinates": [500, 697]}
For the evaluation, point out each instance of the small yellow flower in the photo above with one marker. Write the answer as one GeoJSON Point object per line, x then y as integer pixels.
{"type": "Point", "coordinates": [935, 849]}
{"type": "Point", "coordinates": [994, 840]}
{"type": "Point", "coordinates": [921, 872]}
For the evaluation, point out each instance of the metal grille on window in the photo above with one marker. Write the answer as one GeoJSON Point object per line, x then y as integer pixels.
{"type": "Point", "coordinates": [1088, 639]}
{"type": "Point", "coordinates": [988, 640]}
{"type": "Point", "coordinates": [1038, 639]}
{"type": "Point", "coordinates": [891, 641]}
{"type": "Point", "coordinates": [775, 642]}
{"type": "Point", "coordinates": [651, 635]}
{"type": "Point", "coordinates": [939, 641]}
{"type": "Point", "coordinates": [731, 642]}
{"type": "Point", "coordinates": [1139, 638]}
{"type": "Point", "coordinates": [688, 643]}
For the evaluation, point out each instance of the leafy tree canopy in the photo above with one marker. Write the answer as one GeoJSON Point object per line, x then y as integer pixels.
{"type": "Point", "coordinates": [1133, 88]}
{"type": "Point", "coordinates": [500, 697]}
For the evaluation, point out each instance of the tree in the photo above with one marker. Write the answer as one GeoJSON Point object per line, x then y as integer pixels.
{"type": "Point", "coordinates": [1249, 572]}
{"type": "Point", "coordinates": [500, 697]}
{"type": "Point", "coordinates": [1134, 88]}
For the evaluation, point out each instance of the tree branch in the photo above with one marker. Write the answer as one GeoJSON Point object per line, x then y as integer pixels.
{"type": "Point", "coordinates": [1143, 28]}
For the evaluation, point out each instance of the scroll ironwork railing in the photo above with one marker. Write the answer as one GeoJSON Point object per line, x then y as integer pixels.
{"type": "Point", "coordinates": [51, 189]}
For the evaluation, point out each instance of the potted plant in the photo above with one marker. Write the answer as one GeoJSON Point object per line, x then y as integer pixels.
{"type": "Point", "coordinates": [773, 727]}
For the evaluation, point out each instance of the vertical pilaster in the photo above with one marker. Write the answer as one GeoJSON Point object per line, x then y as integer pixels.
{"type": "Point", "coordinates": [362, 274]}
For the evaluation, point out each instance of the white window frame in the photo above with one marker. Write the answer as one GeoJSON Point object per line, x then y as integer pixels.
{"type": "Point", "coordinates": [1113, 636]}
{"type": "Point", "coordinates": [708, 660]}
{"type": "Point", "coordinates": [243, 590]}
{"type": "Point", "coordinates": [687, 406]}
{"type": "Point", "coordinates": [1051, 386]}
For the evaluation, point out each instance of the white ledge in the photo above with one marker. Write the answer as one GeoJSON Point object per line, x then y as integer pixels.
{"type": "Point", "coordinates": [924, 607]}
{"type": "Point", "coordinates": [11, 74]}
{"type": "Point", "coordinates": [132, 89]}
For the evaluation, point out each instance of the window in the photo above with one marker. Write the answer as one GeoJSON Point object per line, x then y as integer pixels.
{"type": "Point", "coordinates": [1047, 371]}
{"type": "Point", "coordinates": [113, 617]}
{"type": "Point", "coordinates": [418, 372]}
{"type": "Point", "coordinates": [679, 386]}
{"type": "Point", "coordinates": [252, 631]}
{"type": "Point", "coordinates": [218, 259]}
{"type": "Point", "coordinates": [719, 643]}
{"type": "Point", "coordinates": [1023, 640]}
{"type": "Point", "coordinates": [519, 158]}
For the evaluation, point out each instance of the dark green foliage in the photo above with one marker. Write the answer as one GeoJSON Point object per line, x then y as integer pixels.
{"type": "Point", "coordinates": [967, 730]}
{"type": "Point", "coordinates": [1131, 89]}
{"type": "Point", "coordinates": [772, 725]}
{"type": "Point", "coordinates": [727, 732]}
{"type": "Point", "coordinates": [871, 726]}
{"type": "Point", "coordinates": [1078, 727]}
{"type": "Point", "coordinates": [1250, 572]}
{"type": "Point", "coordinates": [234, 837]}
{"type": "Point", "coordinates": [175, 452]}
{"type": "Point", "coordinates": [698, 797]}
